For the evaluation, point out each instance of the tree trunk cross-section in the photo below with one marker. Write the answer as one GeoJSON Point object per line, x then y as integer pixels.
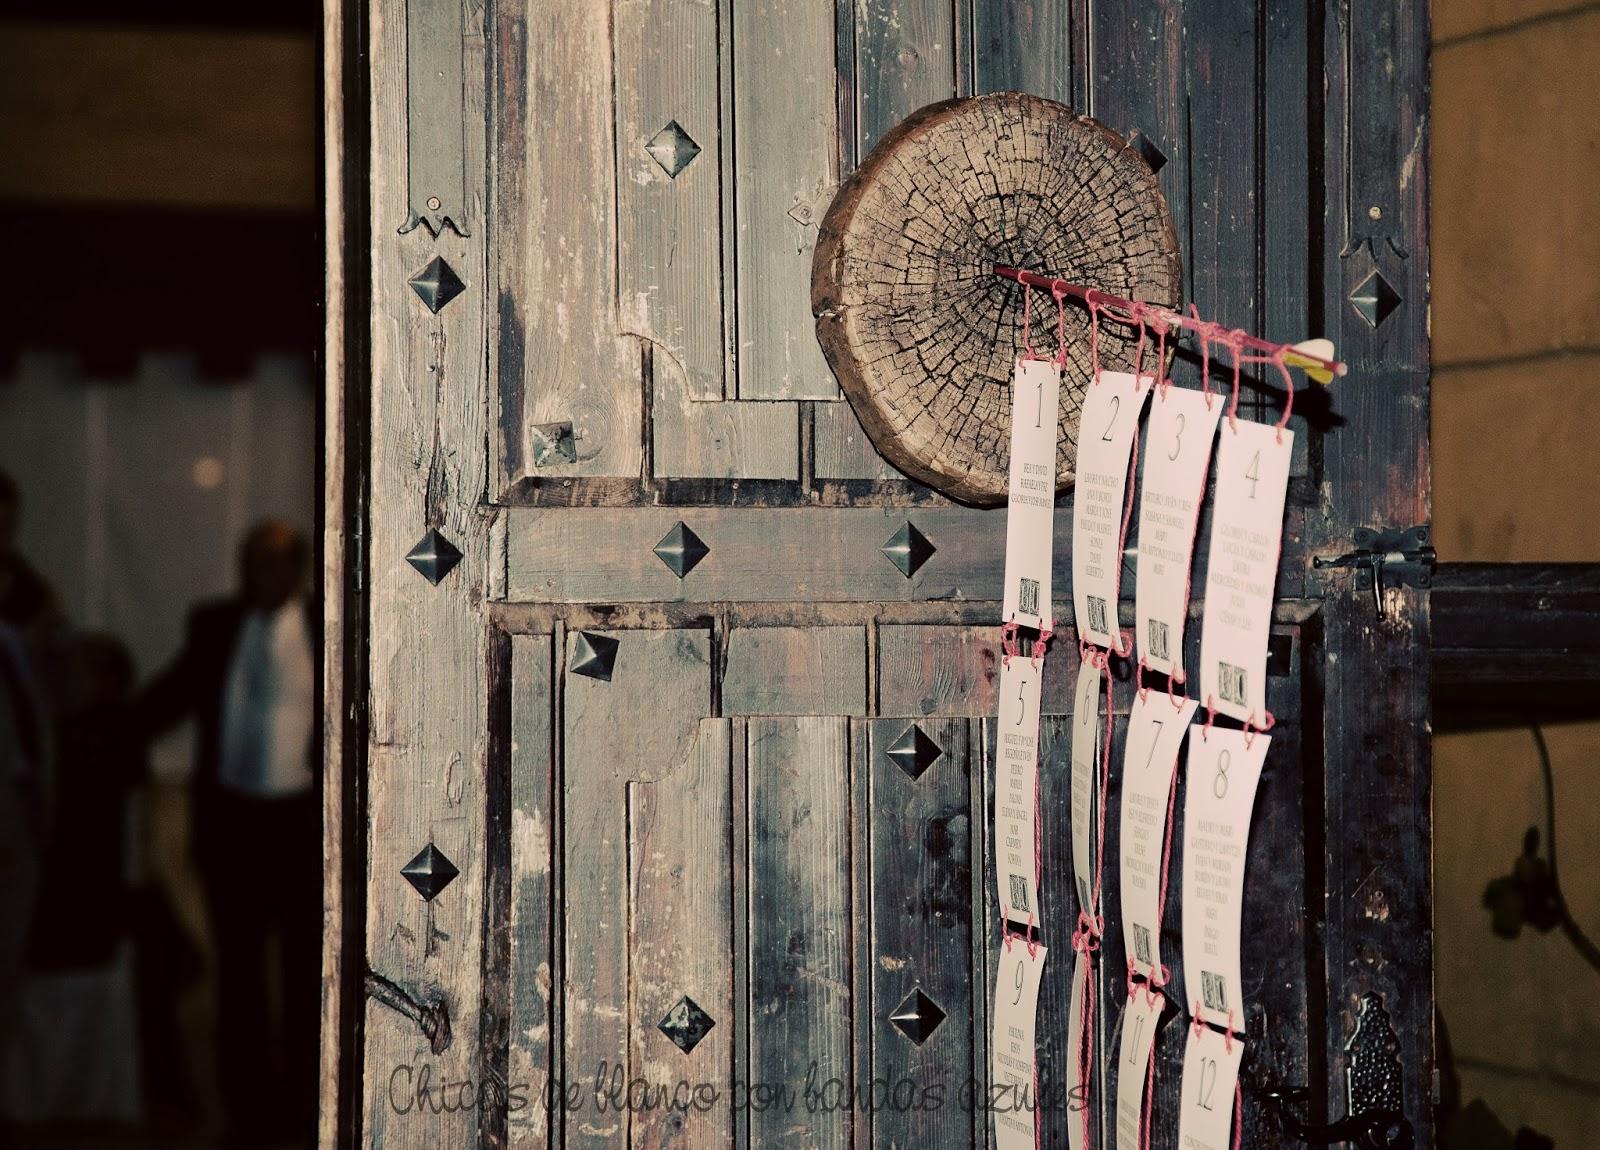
{"type": "Point", "coordinates": [920, 332]}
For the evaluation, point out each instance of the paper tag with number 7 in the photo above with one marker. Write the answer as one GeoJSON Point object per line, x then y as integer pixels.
{"type": "Point", "coordinates": [1031, 512]}
{"type": "Point", "coordinates": [1205, 1103]}
{"type": "Point", "coordinates": [1242, 567]}
{"type": "Point", "coordinates": [1106, 431]}
{"type": "Point", "coordinates": [1150, 756]}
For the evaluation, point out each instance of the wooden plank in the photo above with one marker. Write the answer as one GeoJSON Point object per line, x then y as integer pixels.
{"type": "Point", "coordinates": [554, 329]}
{"type": "Point", "coordinates": [680, 847]}
{"type": "Point", "coordinates": [718, 440]}
{"type": "Point", "coordinates": [800, 1005]}
{"type": "Point", "coordinates": [921, 931]}
{"type": "Point", "coordinates": [943, 670]}
{"type": "Point", "coordinates": [1024, 48]}
{"type": "Point", "coordinates": [662, 681]}
{"type": "Point", "coordinates": [530, 972]}
{"type": "Point", "coordinates": [786, 165]}
{"type": "Point", "coordinates": [782, 554]}
{"type": "Point", "coordinates": [905, 58]}
{"type": "Point", "coordinates": [795, 671]}
{"type": "Point", "coordinates": [427, 735]}
{"type": "Point", "coordinates": [841, 449]}
{"type": "Point", "coordinates": [669, 226]}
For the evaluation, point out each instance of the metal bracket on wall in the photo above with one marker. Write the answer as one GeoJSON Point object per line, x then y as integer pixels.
{"type": "Point", "coordinates": [435, 117]}
{"type": "Point", "coordinates": [1386, 557]}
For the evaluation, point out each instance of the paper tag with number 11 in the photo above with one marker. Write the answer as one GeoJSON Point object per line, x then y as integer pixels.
{"type": "Point", "coordinates": [1031, 512]}
{"type": "Point", "coordinates": [1242, 568]}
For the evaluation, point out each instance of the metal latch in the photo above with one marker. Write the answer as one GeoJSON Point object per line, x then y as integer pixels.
{"type": "Point", "coordinates": [1386, 557]}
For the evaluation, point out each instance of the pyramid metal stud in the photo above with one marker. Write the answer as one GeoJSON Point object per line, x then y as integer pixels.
{"type": "Point", "coordinates": [437, 284]}
{"type": "Point", "coordinates": [430, 872]}
{"type": "Point", "coordinates": [1146, 147]}
{"type": "Point", "coordinates": [1375, 299]}
{"type": "Point", "coordinates": [672, 148]}
{"type": "Point", "coordinates": [681, 549]}
{"type": "Point", "coordinates": [686, 1024]}
{"type": "Point", "coordinates": [908, 549]}
{"type": "Point", "coordinates": [917, 1016]}
{"type": "Point", "coordinates": [914, 752]}
{"type": "Point", "coordinates": [554, 444]}
{"type": "Point", "coordinates": [594, 656]}
{"type": "Point", "coordinates": [434, 556]}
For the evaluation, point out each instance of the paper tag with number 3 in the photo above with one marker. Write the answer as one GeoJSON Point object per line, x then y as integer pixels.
{"type": "Point", "coordinates": [1031, 512]}
{"type": "Point", "coordinates": [1242, 568]}
{"type": "Point", "coordinates": [1106, 431]}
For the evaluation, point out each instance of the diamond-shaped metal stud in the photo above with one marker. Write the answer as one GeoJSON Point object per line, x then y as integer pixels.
{"type": "Point", "coordinates": [913, 752]}
{"type": "Point", "coordinates": [1146, 147]}
{"type": "Point", "coordinates": [554, 444]}
{"type": "Point", "coordinates": [437, 284]}
{"type": "Point", "coordinates": [681, 549]}
{"type": "Point", "coordinates": [917, 1016]}
{"type": "Point", "coordinates": [430, 872]}
{"type": "Point", "coordinates": [434, 555]}
{"type": "Point", "coordinates": [686, 1024]}
{"type": "Point", "coordinates": [672, 148]}
{"type": "Point", "coordinates": [594, 656]}
{"type": "Point", "coordinates": [908, 549]}
{"type": "Point", "coordinates": [1375, 299]}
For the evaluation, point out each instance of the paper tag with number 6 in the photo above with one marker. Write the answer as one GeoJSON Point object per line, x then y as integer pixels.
{"type": "Point", "coordinates": [1242, 567]}
{"type": "Point", "coordinates": [1205, 1104]}
{"type": "Point", "coordinates": [1031, 512]}
{"type": "Point", "coordinates": [1085, 755]}
{"type": "Point", "coordinates": [1106, 431]}
{"type": "Point", "coordinates": [1016, 1006]}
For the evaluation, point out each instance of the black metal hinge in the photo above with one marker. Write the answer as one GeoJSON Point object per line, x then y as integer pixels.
{"type": "Point", "coordinates": [1387, 557]}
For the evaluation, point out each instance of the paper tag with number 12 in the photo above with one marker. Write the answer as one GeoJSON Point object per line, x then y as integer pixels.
{"type": "Point", "coordinates": [1031, 513]}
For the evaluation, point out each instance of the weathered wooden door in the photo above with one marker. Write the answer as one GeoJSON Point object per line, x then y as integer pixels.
{"type": "Point", "coordinates": [679, 775]}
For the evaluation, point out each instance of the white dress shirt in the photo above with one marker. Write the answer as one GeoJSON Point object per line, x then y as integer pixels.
{"type": "Point", "coordinates": [269, 706]}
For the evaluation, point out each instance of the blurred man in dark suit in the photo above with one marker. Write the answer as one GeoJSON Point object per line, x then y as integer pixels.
{"type": "Point", "coordinates": [247, 676]}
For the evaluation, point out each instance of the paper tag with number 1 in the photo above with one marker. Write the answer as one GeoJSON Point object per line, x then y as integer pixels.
{"type": "Point", "coordinates": [1031, 513]}
{"type": "Point", "coordinates": [1106, 431]}
{"type": "Point", "coordinates": [1017, 788]}
{"type": "Point", "coordinates": [1016, 1008]}
{"type": "Point", "coordinates": [1242, 568]}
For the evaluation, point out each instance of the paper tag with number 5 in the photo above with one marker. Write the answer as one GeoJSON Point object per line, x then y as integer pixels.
{"type": "Point", "coordinates": [1031, 513]}
{"type": "Point", "coordinates": [1106, 430]}
{"type": "Point", "coordinates": [1205, 1104]}
{"type": "Point", "coordinates": [1150, 756]}
{"type": "Point", "coordinates": [1242, 568]}
{"type": "Point", "coordinates": [1017, 788]}
{"type": "Point", "coordinates": [1016, 1004]}
{"type": "Point", "coordinates": [1182, 427]}
{"type": "Point", "coordinates": [1224, 768]}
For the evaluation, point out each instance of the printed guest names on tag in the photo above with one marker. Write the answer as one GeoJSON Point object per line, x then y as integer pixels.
{"type": "Point", "coordinates": [1139, 1022]}
{"type": "Point", "coordinates": [1109, 423]}
{"type": "Point", "coordinates": [1030, 515]}
{"type": "Point", "coordinates": [1016, 1001]}
{"type": "Point", "coordinates": [1077, 1081]}
{"type": "Point", "coordinates": [1223, 770]}
{"type": "Point", "coordinates": [1150, 755]}
{"type": "Point", "coordinates": [1016, 787]}
{"type": "Point", "coordinates": [1177, 454]}
{"type": "Point", "coordinates": [1085, 755]}
{"type": "Point", "coordinates": [1242, 567]}
{"type": "Point", "coordinates": [1205, 1103]}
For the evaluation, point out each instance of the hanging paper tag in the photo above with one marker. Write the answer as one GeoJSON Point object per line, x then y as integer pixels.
{"type": "Point", "coordinates": [1016, 788]}
{"type": "Point", "coordinates": [1139, 1022]}
{"type": "Point", "coordinates": [1177, 448]}
{"type": "Point", "coordinates": [1085, 754]}
{"type": "Point", "coordinates": [1030, 517]}
{"type": "Point", "coordinates": [1106, 431]}
{"type": "Point", "coordinates": [1205, 1106]}
{"type": "Point", "coordinates": [1077, 1080]}
{"type": "Point", "coordinates": [1150, 756]}
{"type": "Point", "coordinates": [1246, 536]}
{"type": "Point", "coordinates": [1224, 768]}
{"type": "Point", "coordinates": [1016, 1001]}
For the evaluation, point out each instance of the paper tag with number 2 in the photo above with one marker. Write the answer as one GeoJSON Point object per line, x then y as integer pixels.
{"type": "Point", "coordinates": [1106, 431]}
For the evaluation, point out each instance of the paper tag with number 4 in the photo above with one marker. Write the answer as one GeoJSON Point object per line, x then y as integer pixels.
{"type": "Point", "coordinates": [1150, 756]}
{"type": "Point", "coordinates": [1224, 768]}
{"type": "Point", "coordinates": [1016, 1004]}
{"type": "Point", "coordinates": [1106, 430]}
{"type": "Point", "coordinates": [1205, 1104]}
{"type": "Point", "coordinates": [1016, 788]}
{"type": "Point", "coordinates": [1182, 427]}
{"type": "Point", "coordinates": [1242, 568]}
{"type": "Point", "coordinates": [1139, 1022]}
{"type": "Point", "coordinates": [1031, 513]}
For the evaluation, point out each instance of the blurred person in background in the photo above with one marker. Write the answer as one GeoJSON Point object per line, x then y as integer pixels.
{"type": "Point", "coordinates": [247, 675]}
